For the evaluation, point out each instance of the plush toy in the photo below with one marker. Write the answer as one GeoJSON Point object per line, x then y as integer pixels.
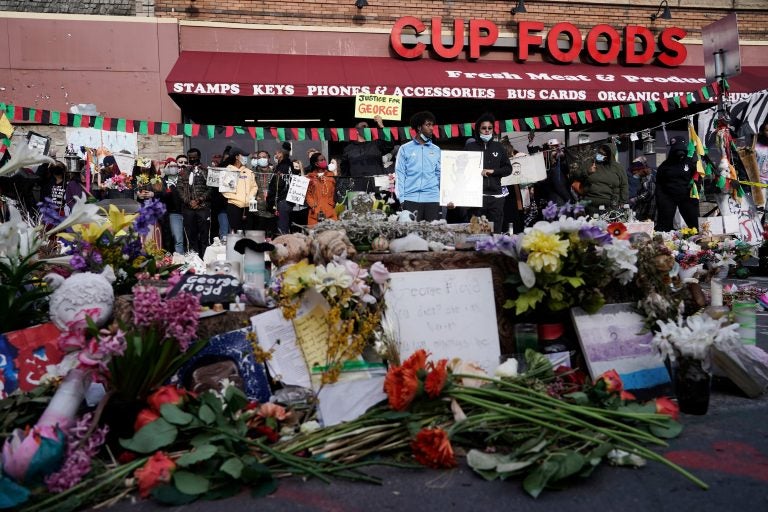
{"type": "Point", "coordinates": [290, 249]}
{"type": "Point", "coordinates": [330, 244]}
{"type": "Point", "coordinates": [79, 292]}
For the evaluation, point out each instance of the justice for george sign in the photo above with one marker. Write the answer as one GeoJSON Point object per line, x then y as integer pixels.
{"type": "Point", "coordinates": [368, 106]}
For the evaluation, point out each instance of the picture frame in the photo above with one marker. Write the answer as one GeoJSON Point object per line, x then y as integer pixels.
{"type": "Point", "coordinates": [38, 143]}
{"type": "Point", "coordinates": [614, 338]}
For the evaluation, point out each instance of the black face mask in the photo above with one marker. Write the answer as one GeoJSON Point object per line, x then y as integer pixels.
{"type": "Point", "coordinates": [680, 154]}
{"type": "Point", "coordinates": [193, 161]}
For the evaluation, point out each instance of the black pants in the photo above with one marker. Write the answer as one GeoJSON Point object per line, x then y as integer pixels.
{"type": "Point", "coordinates": [665, 210]}
{"type": "Point", "coordinates": [423, 211]}
{"type": "Point", "coordinates": [236, 216]}
{"type": "Point", "coordinates": [197, 224]}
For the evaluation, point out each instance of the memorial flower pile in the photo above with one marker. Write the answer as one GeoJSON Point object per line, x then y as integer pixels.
{"type": "Point", "coordinates": [355, 297]}
{"type": "Point", "coordinates": [563, 263]}
{"type": "Point", "coordinates": [120, 182]}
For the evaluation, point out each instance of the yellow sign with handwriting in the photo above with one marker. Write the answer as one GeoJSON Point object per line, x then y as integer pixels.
{"type": "Point", "coordinates": [368, 106]}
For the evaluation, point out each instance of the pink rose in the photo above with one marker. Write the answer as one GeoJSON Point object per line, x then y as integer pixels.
{"type": "Point", "coordinates": [379, 273]}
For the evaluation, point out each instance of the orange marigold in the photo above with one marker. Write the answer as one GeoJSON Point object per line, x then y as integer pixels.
{"type": "Point", "coordinates": [432, 448]}
{"type": "Point", "coordinates": [436, 378]}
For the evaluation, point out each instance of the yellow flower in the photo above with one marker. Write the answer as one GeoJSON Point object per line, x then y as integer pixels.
{"type": "Point", "coordinates": [87, 232]}
{"type": "Point", "coordinates": [297, 277]}
{"type": "Point", "coordinates": [118, 219]}
{"type": "Point", "coordinates": [544, 250]}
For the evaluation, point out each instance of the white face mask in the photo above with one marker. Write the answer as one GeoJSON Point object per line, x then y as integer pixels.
{"type": "Point", "coordinates": [486, 137]}
{"type": "Point", "coordinates": [243, 159]}
{"type": "Point", "coordinates": [332, 167]}
{"type": "Point", "coordinates": [600, 157]}
{"type": "Point", "coordinates": [262, 162]}
{"type": "Point", "coordinates": [425, 138]}
{"type": "Point", "coordinates": [172, 170]}
{"type": "Point", "coordinates": [277, 161]}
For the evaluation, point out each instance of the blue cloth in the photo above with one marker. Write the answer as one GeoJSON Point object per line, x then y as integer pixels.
{"type": "Point", "coordinates": [177, 230]}
{"type": "Point", "coordinates": [417, 173]}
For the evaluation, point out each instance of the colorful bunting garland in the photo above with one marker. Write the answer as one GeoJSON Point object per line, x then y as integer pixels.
{"type": "Point", "coordinates": [399, 133]}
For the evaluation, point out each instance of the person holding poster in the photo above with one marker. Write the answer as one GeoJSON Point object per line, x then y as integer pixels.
{"type": "Point", "coordinates": [245, 189]}
{"type": "Point", "coordinates": [277, 194]}
{"type": "Point", "coordinates": [417, 170]}
{"type": "Point", "coordinates": [362, 158]}
{"type": "Point", "coordinates": [496, 165]}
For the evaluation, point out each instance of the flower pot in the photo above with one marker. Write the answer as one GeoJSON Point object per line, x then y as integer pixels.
{"type": "Point", "coordinates": [692, 386]}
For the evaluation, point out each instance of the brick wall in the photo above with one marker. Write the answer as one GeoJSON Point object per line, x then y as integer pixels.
{"type": "Point", "coordinates": [107, 7]}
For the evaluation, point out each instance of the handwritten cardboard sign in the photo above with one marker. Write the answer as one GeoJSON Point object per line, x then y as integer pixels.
{"type": "Point", "coordinates": [450, 313]}
{"type": "Point", "coordinates": [298, 189]}
{"type": "Point", "coordinates": [212, 289]}
{"type": "Point", "coordinates": [368, 106]}
{"type": "Point", "coordinates": [526, 169]}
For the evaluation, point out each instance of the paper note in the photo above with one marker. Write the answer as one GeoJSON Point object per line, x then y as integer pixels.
{"type": "Point", "coordinates": [298, 189]}
{"type": "Point", "coordinates": [276, 334]}
{"type": "Point", "coordinates": [461, 179]}
{"type": "Point", "coordinates": [347, 400]}
{"type": "Point", "coordinates": [312, 328]}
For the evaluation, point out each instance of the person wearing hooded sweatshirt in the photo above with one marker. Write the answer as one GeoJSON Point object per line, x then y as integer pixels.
{"type": "Point", "coordinates": [604, 182]}
{"type": "Point", "coordinates": [496, 165]}
{"type": "Point", "coordinates": [673, 187]}
{"type": "Point", "coordinates": [245, 189]}
{"type": "Point", "coordinates": [417, 170]}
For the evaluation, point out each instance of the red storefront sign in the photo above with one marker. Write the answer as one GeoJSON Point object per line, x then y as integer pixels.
{"type": "Point", "coordinates": [482, 33]}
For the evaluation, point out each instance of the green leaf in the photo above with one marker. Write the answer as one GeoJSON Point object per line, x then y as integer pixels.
{"type": "Point", "coordinates": [537, 480]}
{"type": "Point", "coordinates": [568, 462]}
{"type": "Point", "coordinates": [254, 472]}
{"type": "Point", "coordinates": [200, 453]}
{"type": "Point", "coordinates": [235, 399]}
{"type": "Point", "coordinates": [579, 397]}
{"type": "Point", "coordinates": [479, 460]}
{"type": "Point", "coordinates": [206, 415]}
{"type": "Point", "coordinates": [151, 437]}
{"type": "Point", "coordinates": [174, 415]}
{"type": "Point", "coordinates": [528, 300]}
{"type": "Point", "coordinates": [170, 495]}
{"type": "Point", "coordinates": [233, 467]}
{"type": "Point", "coordinates": [223, 490]}
{"type": "Point", "coordinates": [574, 281]}
{"type": "Point", "coordinates": [670, 430]}
{"type": "Point", "coordinates": [263, 488]}
{"type": "Point", "coordinates": [190, 483]}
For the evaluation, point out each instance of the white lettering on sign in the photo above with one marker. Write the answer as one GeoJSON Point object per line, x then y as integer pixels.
{"type": "Point", "coordinates": [337, 90]}
{"type": "Point", "coordinates": [445, 92]}
{"type": "Point", "coordinates": [663, 79]}
{"type": "Point", "coordinates": [628, 96]}
{"type": "Point", "coordinates": [273, 90]}
{"type": "Point", "coordinates": [199, 88]}
{"type": "Point", "coordinates": [559, 78]}
{"type": "Point", "coordinates": [450, 313]}
{"type": "Point", "coordinates": [504, 75]}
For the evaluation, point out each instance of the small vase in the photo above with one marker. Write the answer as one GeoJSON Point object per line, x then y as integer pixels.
{"type": "Point", "coordinates": [692, 386]}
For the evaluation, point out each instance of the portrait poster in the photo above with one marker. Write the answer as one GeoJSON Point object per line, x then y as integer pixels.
{"type": "Point", "coordinates": [526, 169]}
{"type": "Point", "coordinates": [228, 181]}
{"type": "Point", "coordinates": [461, 178]}
{"type": "Point", "coordinates": [214, 175]}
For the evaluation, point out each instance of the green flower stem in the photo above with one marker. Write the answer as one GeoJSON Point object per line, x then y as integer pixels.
{"type": "Point", "coordinates": [88, 486]}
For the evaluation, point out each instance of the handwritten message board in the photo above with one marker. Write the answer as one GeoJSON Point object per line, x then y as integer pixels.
{"type": "Point", "coordinates": [298, 189]}
{"type": "Point", "coordinates": [526, 169]}
{"type": "Point", "coordinates": [450, 313]}
{"type": "Point", "coordinates": [212, 289]}
{"type": "Point", "coordinates": [368, 106]}
{"type": "Point", "coordinates": [461, 178]}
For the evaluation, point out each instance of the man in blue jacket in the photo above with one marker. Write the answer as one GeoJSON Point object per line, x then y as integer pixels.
{"type": "Point", "coordinates": [496, 165]}
{"type": "Point", "coordinates": [417, 170]}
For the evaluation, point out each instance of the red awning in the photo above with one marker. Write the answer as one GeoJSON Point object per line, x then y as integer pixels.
{"type": "Point", "coordinates": [255, 74]}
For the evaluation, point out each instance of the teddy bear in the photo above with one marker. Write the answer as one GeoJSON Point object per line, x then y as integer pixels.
{"type": "Point", "coordinates": [79, 292]}
{"type": "Point", "coordinates": [290, 249]}
{"type": "Point", "coordinates": [330, 244]}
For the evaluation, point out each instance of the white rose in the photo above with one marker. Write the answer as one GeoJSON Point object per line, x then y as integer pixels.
{"type": "Point", "coordinates": [507, 369]}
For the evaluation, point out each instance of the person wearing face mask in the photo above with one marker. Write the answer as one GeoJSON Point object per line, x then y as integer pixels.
{"type": "Point", "coordinates": [246, 189]}
{"type": "Point", "coordinates": [417, 170]}
{"type": "Point", "coordinates": [496, 165]}
{"type": "Point", "coordinates": [362, 159]}
{"type": "Point", "coordinates": [673, 187]}
{"type": "Point", "coordinates": [278, 190]}
{"type": "Point", "coordinates": [173, 224]}
{"type": "Point", "coordinates": [321, 191]}
{"type": "Point", "coordinates": [195, 194]}
{"type": "Point", "coordinates": [604, 182]}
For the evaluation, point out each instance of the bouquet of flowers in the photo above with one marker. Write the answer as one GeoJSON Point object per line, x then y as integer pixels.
{"type": "Point", "coordinates": [145, 180]}
{"type": "Point", "coordinates": [694, 337]}
{"type": "Point", "coordinates": [563, 263]}
{"type": "Point", "coordinates": [117, 241]}
{"type": "Point", "coordinates": [120, 182]}
{"type": "Point", "coordinates": [355, 296]}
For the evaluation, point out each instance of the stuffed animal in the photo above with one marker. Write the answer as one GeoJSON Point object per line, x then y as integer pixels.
{"type": "Point", "coordinates": [290, 249]}
{"type": "Point", "coordinates": [330, 244]}
{"type": "Point", "coordinates": [79, 292]}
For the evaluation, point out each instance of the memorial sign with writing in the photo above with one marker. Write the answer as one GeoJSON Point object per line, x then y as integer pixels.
{"type": "Point", "coordinates": [450, 313]}
{"type": "Point", "coordinates": [298, 189]}
{"type": "Point", "coordinates": [368, 106]}
{"type": "Point", "coordinates": [211, 289]}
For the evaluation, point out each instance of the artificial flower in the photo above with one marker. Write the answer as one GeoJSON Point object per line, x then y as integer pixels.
{"type": "Point", "coordinates": [379, 273]}
{"type": "Point", "coordinates": [145, 417]}
{"type": "Point", "coordinates": [332, 278]}
{"type": "Point", "coordinates": [664, 405]}
{"type": "Point", "coordinates": [270, 410]}
{"type": "Point", "coordinates": [169, 394]}
{"type": "Point", "coordinates": [30, 454]}
{"type": "Point", "coordinates": [618, 230]}
{"type": "Point", "coordinates": [544, 250]}
{"type": "Point", "coordinates": [118, 219]}
{"type": "Point", "coordinates": [507, 369]}
{"type": "Point", "coordinates": [433, 449]}
{"type": "Point", "coordinates": [612, 381]}
{"type": "Point", "coordinates": [297, 277]}
{"type": "Point", "coordinates": [436, 378]}
{"type": "Point", "coordinates": [157, 470]}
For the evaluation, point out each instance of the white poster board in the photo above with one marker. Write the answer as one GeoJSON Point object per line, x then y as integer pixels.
{"type": "Point", "coordinates": [112, 142]}
{"type": "Point", "coordinates": [461, 179]}
{"type": "Point", "coordinates": [125, 163]}
{"type": "Point", "coordinates": [298, 189]}
{"type": "Point", "coordinates": [526, 169]}
{"type": "Point", "coordinates": [450, 313]}
{"type": "Point", "coordinates": [214, 175]}
{"type": "Point", "coordinates": [228, 180]}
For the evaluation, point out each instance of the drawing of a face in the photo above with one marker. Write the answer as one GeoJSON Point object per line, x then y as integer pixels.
{"type": "Point", "coordinates": [225, 268]}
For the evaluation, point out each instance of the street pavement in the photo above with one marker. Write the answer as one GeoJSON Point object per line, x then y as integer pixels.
{"type": "Point", "coordinates": [727, 448]}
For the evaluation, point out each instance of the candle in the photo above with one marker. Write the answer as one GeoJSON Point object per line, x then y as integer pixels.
{"type": "Point", "coordinates": [253, 261]}
{"type": "Point", "coordinates": [716, 292]}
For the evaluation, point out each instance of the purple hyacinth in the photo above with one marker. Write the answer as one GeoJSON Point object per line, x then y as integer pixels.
{"type": "Point", "coordinates": [149, 214]}
{"type": "Point", "coordinates": [78, 263]}
{"type": "Point", "coordinates": [595, 234]}
{"type": "Point", "coordinates": [49, 211]}
{"type": "Point", "coordinates": [550, 211]}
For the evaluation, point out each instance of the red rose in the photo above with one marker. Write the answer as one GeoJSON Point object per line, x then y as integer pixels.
{"type": "Point", "coordinates": [432, 448]}
{"type": "Point", "coordinates": [666, 406]}
{"type": "Point", "coordinates": [612, 381]}
{"type": "Point", "coordinates": [166, 395]}
{"type": "Point", "coordinates": [144, 417]}
{"type": "Point", "coordinates": [157, 470]}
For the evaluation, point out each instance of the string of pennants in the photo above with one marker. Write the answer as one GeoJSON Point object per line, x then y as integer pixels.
{"type": "Point", "coordinates": [549, 121]}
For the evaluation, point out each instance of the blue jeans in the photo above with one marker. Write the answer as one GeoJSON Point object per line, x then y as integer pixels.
{"type": "Point", "coordinates": [177, 230]}
{"type": "Point", "coordinates": [223, 224]}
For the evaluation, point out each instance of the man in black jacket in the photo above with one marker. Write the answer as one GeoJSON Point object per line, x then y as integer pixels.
{"type": "Point", "coordinates": [496, 165]}
{"type": "Point", "coordinates": [362, 158]}
{"type": "Point", "coordinates": [673, 187]}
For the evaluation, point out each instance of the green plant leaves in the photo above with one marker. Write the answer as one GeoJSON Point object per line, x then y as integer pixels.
{"type": "Point", "coordinates": [233, 467]}
{"type": "Point", "coordinates": [152, 436]}
{"type": "Point", "coordinates": [172, 414]}
{"type": "Point", "coordinates": [170, 495]}
{"type": "Point", "coordinates": [190, 483]}
{"type": "Point", "coordinates": [199, 454]}
{"type": "Point", "coordinates": [557, 466]}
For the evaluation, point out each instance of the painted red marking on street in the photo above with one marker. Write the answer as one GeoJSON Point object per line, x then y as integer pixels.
{"type": "Point", "coordinates": [730, 457]}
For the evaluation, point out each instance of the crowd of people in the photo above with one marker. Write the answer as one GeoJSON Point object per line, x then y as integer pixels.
{"type": "Point", "coordinates": [196, 211]}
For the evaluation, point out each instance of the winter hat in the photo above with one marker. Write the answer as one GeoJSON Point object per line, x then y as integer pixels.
{"type": "Point", "coordinates": [678, 144]}
{"type": "Point", "coordinates": [109, 160]}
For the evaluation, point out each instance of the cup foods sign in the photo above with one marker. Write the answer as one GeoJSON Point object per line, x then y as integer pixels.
{"type": "Point", "coordinates": [482, 34]}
